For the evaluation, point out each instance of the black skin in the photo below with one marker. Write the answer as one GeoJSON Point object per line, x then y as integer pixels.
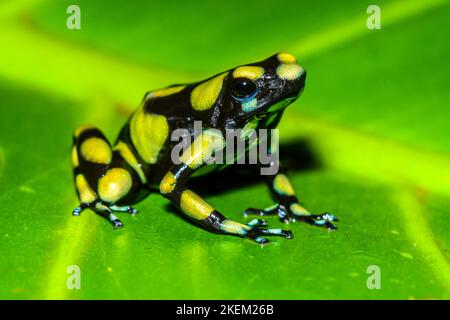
{"type": "Point", "coordinates": [226, 113]}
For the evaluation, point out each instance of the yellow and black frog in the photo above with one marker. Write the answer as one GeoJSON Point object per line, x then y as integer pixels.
{"type": "Point", "coordinates": [253, 96]}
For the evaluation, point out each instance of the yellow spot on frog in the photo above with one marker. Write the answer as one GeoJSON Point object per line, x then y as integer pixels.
{"type": "Point", "coordinates": [129, 157]}
{"type": "Point", "coordinates": [299, 210]}
{"type": "Point", "coordinates": [194, 206]}
{"type": "Point", "coordinates": [75, 162]}
{"type": "Point", "coordinates": [205, 94]}
{"type": "Point", "coordinates": [114, 184]}
{"type": "Point", "coordinates": [164, 92]}
{"type": "Point", "coordinates": [283, 185]}
{"type": "Point", "coordinates": [96, 150]}
{"type": "Point", "coordinates": [234, 227]}
{"type": "Point", "coordinates": [167, 183]}
{"type": "Point", "coordinates": [203, 147]}
{"type": "Point", "coordinates": [289, 71]}
{"type": "Point", "coordinates": [84, 190]}
{"type": "Point", "coordinates": [148, 132]}
{"type": "Point", "coordinates": [250, 72]}
{"type": "Point", "coordinates": [286, 58]}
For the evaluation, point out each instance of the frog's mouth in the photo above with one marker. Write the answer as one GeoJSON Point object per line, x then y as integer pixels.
{"type": "Point", "coordinates": [263, 113]}
{"type": "Point", "coordinates": [285, 100]}
{"type": "Point", "coordinates": [280, 105]}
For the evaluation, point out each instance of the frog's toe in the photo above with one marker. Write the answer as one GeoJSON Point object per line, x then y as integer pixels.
{"type": "Point", "coordinates": [117, 224]}
{"type": "Point", "coordinates": [128, 209]}
{"type": "Point", "coordinates": [133, 210]}
{"type": "Point", "coordinates": [260, 240]}
{"type": "Point", "coordinates": [77, 211]}
{"type": "Point", "coordinates": [257, 223]}
{"type": "Point", "coordinates": [270, 211]}
{"type": "Point", "coordinates": [324, 220]}
{"type": "Point", "coordinates": [330, 217]}
{"type": "Point", "coordinates": [258, 231]}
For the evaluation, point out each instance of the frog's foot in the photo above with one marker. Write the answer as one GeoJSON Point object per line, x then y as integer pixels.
{"type": "Point", "coordinates": [295, 212]}
{"type": "Point", "coordinates": [106, 211]}
{"type": "Point", "coordinates": [257, 229]}
{"type": "Point", "coordinates": [117, 224]}
{"type": "Point", "coordinates": [77, 211]}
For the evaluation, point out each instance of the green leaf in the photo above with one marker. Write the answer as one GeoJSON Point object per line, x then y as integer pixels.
{"type": "Point", "coordinates": [390, 83]}
{"type": "Point", "coordinates": [367, 142]}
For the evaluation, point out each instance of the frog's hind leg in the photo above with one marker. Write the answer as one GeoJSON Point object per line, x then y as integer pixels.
{"type": "Point", "coordinates": [102, 177]}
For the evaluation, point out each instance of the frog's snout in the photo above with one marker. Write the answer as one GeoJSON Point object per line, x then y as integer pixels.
{"type": "Point", "coordinates": [299, 83]}
{"type": "Point", "coordinates": [296, 86]}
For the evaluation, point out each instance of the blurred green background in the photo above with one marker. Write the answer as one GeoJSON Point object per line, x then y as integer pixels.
{"type": "Point", "coordinates": [375, 115]}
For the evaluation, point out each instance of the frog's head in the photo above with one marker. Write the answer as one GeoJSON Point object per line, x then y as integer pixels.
{"type": "Point", "coordinates": [264, 88]}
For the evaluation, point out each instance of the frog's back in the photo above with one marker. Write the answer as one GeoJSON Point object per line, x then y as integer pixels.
{"type": "Point", "coordinates": [149, 130]}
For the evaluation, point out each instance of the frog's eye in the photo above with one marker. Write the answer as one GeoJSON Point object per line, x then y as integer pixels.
{"type": "Point", "coordinates": [243, 89]}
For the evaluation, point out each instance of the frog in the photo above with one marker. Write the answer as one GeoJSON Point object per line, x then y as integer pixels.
{"type": "Point", "coordinates": [110, 179]}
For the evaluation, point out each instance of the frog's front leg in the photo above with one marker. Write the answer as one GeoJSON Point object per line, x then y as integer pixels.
{"type": "Point", "coordinates": [173, 187]}
{"type": "Point", "coordinates": [288, 207]}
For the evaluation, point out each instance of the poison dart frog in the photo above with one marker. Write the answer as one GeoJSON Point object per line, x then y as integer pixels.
{"type": "Point", "coordinates": [109, 179]}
